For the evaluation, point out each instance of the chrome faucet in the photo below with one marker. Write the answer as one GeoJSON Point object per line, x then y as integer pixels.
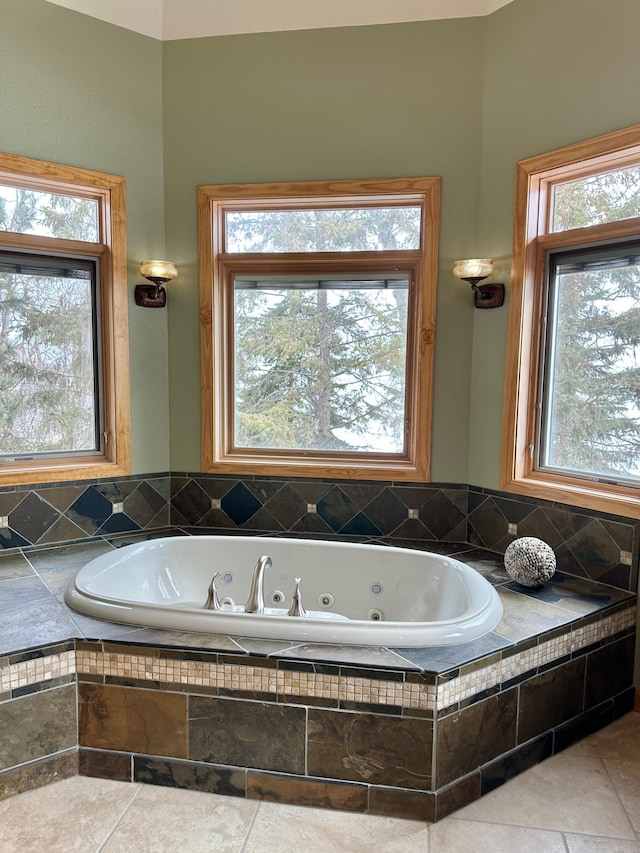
{"type": "Point", "coordinates": [255, 602]}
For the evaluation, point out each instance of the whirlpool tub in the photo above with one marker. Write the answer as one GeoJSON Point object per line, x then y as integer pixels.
{"type": "Point", "coordinates": [352, 594]}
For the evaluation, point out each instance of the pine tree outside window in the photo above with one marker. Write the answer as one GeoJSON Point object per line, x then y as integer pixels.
{"type": "Point", "coordinates": [572, 393]}
{"type": "Point", "coordinates": [318, 305]}
{"type": "Point", "coordinates": [64, 388]}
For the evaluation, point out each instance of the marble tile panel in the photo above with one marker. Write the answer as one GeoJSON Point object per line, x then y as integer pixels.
{"type": "Point", "coordinates": [357, 655]}
{"type": "Point", "coordinates": [190, 775]}
{"type": "Point", "coordinates": [177, 639]}
{"type": "Point", "coordinates": [475, 736]}
{"type": "Point", "coordinates": [370, 748]}
{"type": "Point", "coordinates": [132, 720]}
{"type": "Point", "coordinates": [567, 793]}
{"type": "Point", "coordinates": [625, 776]}
{"type": "Point", "coordinates": [279, 828]}
{"type": "Point", "coordinates": [286, 506]}
{"type": "Point", "coordinates": [580, 595]}
{"type": "Point", "coordinates": [458, 795]}
{"type": "Point", "coordinates": [13, 564]}
{"type": "Point", "coordinates": [580, 727]}
{"type": "Point", "coordinates": [591, 844]}
{"type": "Point", "coordinates": [143, 504]}
{"type": "Point", "coordinates": [62, 530]}
{"type": "Point", "coordinates": [32, 517]}
{"type": "Point", "coordinates": [405, 803]}
{"type": "Point", "coordinates": [441, 659]}
{"type": "Point", "coordinates": [472, 836]}
{"type": "Point", "coordinates": [386, 511]}
{"type": "Point", "coordinates": [37, 725]}
{"type": "Point", "coordinates": [105, 764]}
{"type": "Point", "coordinates": [609, 670]}
{"type": "Point", "coordinates": [619, 741]}
{"type": "Point", "coordinates": [524, 616]}
{"type": "Point", "coordinates": [37, 774]}
{"type": "Point", "coordinates": [31, 616]}
{"type": "Point", "coordinates": [206, 822]}
{"type": "Point", "coordinates": [240, 504]}
{"type": "Point", "coordinates": [67, 557]}
{"type": "Point", "coordinates": [550, 699]}
{"type": "Point", "coordinates": [441, 515]}
{"type": "Point", "coordinates": [90, 510]}
{"type": "Point", "coordinates": [76, 814]}
{"type": "Point", "coordinates": [494, 775]}
{"type": "Point", "coordinates": [190, 502]}
{"type": "Point", "coordinates": [247, 734]}
{"type": "Point", "coordinates": [304, 791]}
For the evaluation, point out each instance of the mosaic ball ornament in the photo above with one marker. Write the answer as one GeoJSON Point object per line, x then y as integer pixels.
{"type": "Point", "coordinates": [530, 561]}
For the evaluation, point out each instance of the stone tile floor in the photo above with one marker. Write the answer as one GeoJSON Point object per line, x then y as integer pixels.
{"type": "Point", "coordinates": [584, 800]}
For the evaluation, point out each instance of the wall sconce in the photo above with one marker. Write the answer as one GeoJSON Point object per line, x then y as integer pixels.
{"type": "Point", "coordinates": [158, 272]}
{"type": "Point", "coordinates": [474, 270]}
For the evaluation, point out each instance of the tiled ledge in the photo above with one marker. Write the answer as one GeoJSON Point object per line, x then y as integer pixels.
{"type": "Point", "coordinates": [33, 615]}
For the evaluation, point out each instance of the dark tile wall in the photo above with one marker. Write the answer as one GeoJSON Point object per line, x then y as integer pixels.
{"type": "Point", "coordinates": [50, 514]}
{"type": "Point", "coordinates": [587, 544]}
{"type": "Point", "coordinates": [38, 728]}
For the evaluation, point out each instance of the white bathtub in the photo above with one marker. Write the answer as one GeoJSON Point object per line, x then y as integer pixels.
{"type": "Point", "coordinates": [354, 594]}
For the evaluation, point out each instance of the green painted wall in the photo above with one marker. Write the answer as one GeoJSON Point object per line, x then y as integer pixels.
{"type": "Point", "coordinates": [381, 101]}
{"type": "Point", "coordinates": [76, 90]}
{"type": "Point", "coordinates": [556, 72]}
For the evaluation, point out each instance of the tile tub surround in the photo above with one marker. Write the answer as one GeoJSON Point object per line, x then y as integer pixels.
{"type": "Point", "coordinates": [586, 544]}
{"type": "Point", "coordinates": [400, 732]}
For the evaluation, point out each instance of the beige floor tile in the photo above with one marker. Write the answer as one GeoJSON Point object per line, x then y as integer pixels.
{"type": "Point", "coordinates": [75, 814]}
{"type": "Point", "coordinates": [283, 829]}
{"type": "Point", "coordinates": [586, 844]}
{"type": "Point", "coordinates": [470, 836]}
{"type": "Point", "coordinates": [170, 819]}
{"type": "Point", "coordinates": [625, 776]}
{"type": "Point", "coordinates": [568, 793]}
{"type": "Point", "coordinates": [619, 740]}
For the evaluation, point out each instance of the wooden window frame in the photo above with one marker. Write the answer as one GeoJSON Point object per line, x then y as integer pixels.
{"type": "Point", "coordinates": [535, 179]}
{"type": "Point", "coordinates": [216, 267]}
{"type": "Point", "coordinates": [109, 192]}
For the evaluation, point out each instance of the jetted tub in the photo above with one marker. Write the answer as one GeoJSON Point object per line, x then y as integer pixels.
{"type": "Point", "coordinates": [354, 594]}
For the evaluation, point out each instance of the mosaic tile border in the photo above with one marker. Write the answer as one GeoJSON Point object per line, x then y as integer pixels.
{"type": "Point", "coordinates": [409, 695]}
{"type": "Point", "coordinates": [256, 679]}
{"type": "Point", "coordinates": [36, 671]}
{"type": "Point", "coordinates": [542, 655]}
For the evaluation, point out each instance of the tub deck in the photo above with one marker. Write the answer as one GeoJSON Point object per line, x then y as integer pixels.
{"type": "Point", "coordinates": [398, 731]}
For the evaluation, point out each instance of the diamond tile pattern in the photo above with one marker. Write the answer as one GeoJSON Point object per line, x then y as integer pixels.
{"type": "Point", "coordinates": [585, 543]}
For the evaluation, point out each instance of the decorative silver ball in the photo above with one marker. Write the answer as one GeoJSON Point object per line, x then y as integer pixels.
{"type": "Point", "coordinates": [530, 561]}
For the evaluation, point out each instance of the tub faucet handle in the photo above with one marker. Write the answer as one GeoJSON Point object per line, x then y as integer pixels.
{"type": "Point", "coordinates": [297, 608]}
{"type": "Point", "coordinates": [213, 602]}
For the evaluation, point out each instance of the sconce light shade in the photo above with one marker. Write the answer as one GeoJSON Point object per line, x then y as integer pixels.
{"type": "Point", "coordinates": [159, 272]}
{"type": "Point", "coordinates": [474, 270]}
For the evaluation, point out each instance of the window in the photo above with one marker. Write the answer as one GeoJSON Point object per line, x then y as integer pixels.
{"type": "Point", "coordinates": [318, 305]}
{"type": "Point", "coordinates": [64, 389]}
{"type": "Point", "coordinates": [572, 394]}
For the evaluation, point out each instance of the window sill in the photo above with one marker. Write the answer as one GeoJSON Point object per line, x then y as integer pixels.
{"type": "Point", "coordinates": [331, 467]}
{"type": "Point", "coordinates": [601, 497]}
{"type": "Point", "coordinates": [60, 471]}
